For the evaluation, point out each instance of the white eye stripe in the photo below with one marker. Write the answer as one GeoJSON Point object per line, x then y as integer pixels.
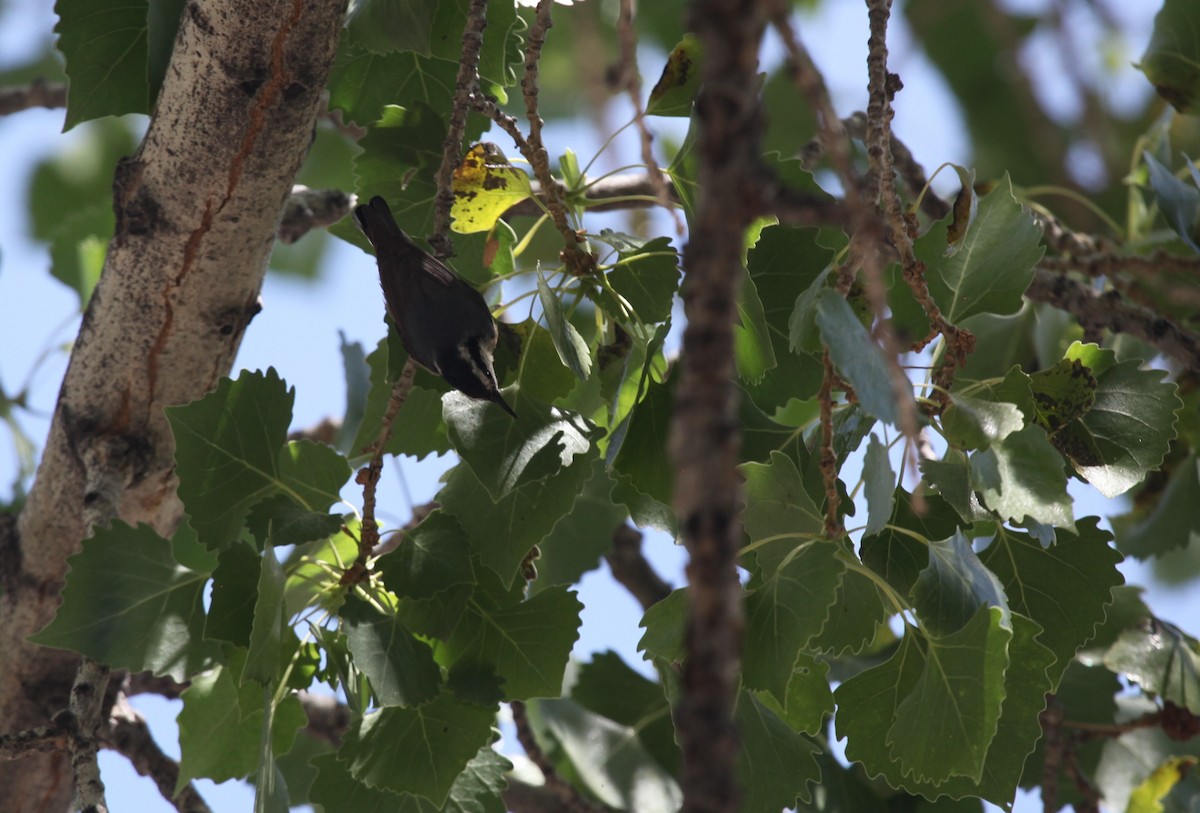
{"type": "Point", "coordinates": [479, 359]}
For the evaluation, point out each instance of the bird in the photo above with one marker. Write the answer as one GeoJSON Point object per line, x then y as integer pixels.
{"type": "Point", "coordinates": [444, 323]}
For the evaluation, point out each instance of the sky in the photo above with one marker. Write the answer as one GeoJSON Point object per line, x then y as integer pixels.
{"type": "Point", "coordinates": [298, 330]}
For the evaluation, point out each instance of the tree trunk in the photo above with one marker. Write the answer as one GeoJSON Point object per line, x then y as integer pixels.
{"type": "Point", "coordinates": [197, 208]}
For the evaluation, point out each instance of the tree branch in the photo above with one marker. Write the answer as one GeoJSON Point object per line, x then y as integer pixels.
{"type": "Point", "coordinates": [307, 209]}
{"type": "Point", "coordinates": [38, 93]}
{"type": "Point", "coordinates": [128, 735]}
{"type": "Point", "coordinates": [630, 568]}
{"type": "Point", "coordinates": [567, 794]}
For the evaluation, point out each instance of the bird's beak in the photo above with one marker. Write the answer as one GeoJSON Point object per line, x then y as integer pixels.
{"type": "Point", "coordinates": [497, 398]}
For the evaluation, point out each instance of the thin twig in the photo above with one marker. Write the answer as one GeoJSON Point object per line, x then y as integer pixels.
{"type": "Point", "coordinates": [21, 744]}
{"type": "Point", "coordinates": [87, 700]}
{"type": "Point", "coordinates": [578, 261]}
{"type": "Point", "coordinates": [368, 476]}
{"type": "Point", "coordinates": [38, 93]}
{"type": "Point", "coordinates": [465, 85]}
{"type": "Point", "coordinates": [567, 793]}
{"type": "Point", "coordinates": [828, 459]}
{"type": "Point", "coordinates": [631, 80]}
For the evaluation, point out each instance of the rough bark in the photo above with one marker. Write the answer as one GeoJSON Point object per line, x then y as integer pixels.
{"type": "Point", "coordinates": [197, 208]}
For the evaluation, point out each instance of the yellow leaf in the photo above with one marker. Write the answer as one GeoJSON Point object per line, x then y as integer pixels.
{"type": "Point", "coordinates": [485, 186]}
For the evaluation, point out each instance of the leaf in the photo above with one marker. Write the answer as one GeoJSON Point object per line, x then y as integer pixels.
{"type": "Point", "coordinates": [400, 667]}
{"type": "Point", "coordinates": [526, 644]}
{"type": "Point", "coordinates": [786, 611]}
{"type": "Point", "coordinates": [355, 89]}
{"type": "Point", "coordinates": [607, 757]}
{"type": "Point", "coordinates": [664, 624]}
{"type": "Point", "coordinates": [104, 42]}
{"type": "Point", "coordinates": [432, 557]}
{"type": "Point", "coordinates": [857, 357]}
{"type": "Point", "coordinates": [643, 452]}
{"type": "Point", "coordinates": [672, 95]}
{"type": "Point", "coordinates": [973, 423]}
{"type": "Point", "coordinates": [220, 726]}
{"type": "Point", "coordinates": [571, 347]}
{"type": "Point", "coordinates": [506, 454]}
{"type": "Point", "coordinates": [230, 453]}
{"type": "Point", "coordinates": [752, 347]}
{"type": "Point", "coordinates": [476, 790]}
{"type": "Point", "coordinates": [1062, 393]}
{"type": "Point", "coordinates": [581, 538]}
{"type": "Point", "coordinates": [502, 533]}
{"type": "Point", "coordinates": [131, 603]}
{"type": "Point", "coordinates": [954, 586]}
{"type": "Point", "coordinates": [777, 764]}
{"type": "Point", "coordinates": [608, 687]}
{"type": "Point", "coordinates": [778, 507]}
{"type": "Point", "coordinates": [418, 429]}
{"type": "Point", "coordinates": [1173, 54]}
{"type": "Point", "coordinates": [880, 483]}
{"type": "Point", "coordinates": [234, 595]}
{"type": "Point", "coordinates": [382, 26]}
{"type": "Point", "coordinates": [1178, 200]}
{"type": "Point", "coordinates": [966, 207]}
{"type": "Point", "coordinates": [900, 552]}
{"type": "Point", "coordinates": [1129, 428]}
{"type": "Point", "coordinates": [1162, 660]}
{"type": "Point", "coordinates": [485, 186]}
{"type": "Point", "coordinates": [264, 658]}
{"type": "Point", "coordinates": [648, 277]}
{"type": "Point", "coordinates": [420, 750]}
{"type": "Point", "coordinates": [1148, 796]}
{"type": "Point", "coordinates": [1022, 476]}
{"type": "Point", "coordinates": [994, 264]}
{"type": "Point", "coordinates": [951, 476]}
{"type": "Point", "coordinates": [1173, 523]}
{"type": "Point", "coordinates": [1065, 588]}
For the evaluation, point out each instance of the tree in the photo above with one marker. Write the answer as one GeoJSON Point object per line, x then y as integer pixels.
{"type": "Point", "coordinates": [974, 357]}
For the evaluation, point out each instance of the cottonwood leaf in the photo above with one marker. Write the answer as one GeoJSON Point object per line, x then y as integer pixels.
{"type": "Point", "coordinates": [104, 42]}
{"type": "Point", "coordinates": [1022, 476]}
{"type": "Point", "coordinates": [134, 601]}
{"type": "Point", "coordinates": [400, 667]}
{"type": "Point", "coordinates": [858, 358]}
{"type": "Point", "coordinates": [994, 262]}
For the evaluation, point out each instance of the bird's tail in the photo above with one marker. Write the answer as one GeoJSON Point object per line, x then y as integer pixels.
{"type": "Point", "coordinates": [376, 221]}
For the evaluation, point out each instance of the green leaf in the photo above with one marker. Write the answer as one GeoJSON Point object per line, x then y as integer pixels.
{"type": "Point", "coordinates": [607, 757]}
{"type": "Point", "coordinates": [1162, 660]}
{"type": "Point", "coordinates": [778, 505]}
{"type": "Point", "coordinates": [608, 687]}
{"type": "Point", "coordinates": [1022, 476]}
{"type": "Point", "coordinates": [234, 595]}
{"type": "Point", "coordinates": [994, 264]}
{"type": "Point", "coordinates": [476, 790]}
{"type": "Point", "coordinates": [1065, 588]}
{"type": "Point", "coordinates": [572, 349]}
{"type": "Point", "coordinates": [858, 613]}
{"type": "Point", "coordinates": [162, 24]}
{"type": "Point", "coordinates": [777, 764]}
{"type": "Point", "coordinates": [880, 483]}
{"type": "Point", "coordinates": [506, 454]}
{"type": "Point", "coordinates": [420, 750]}
{"type": "Point", "coordinates": [220, 726]}
{"type": "Point", "coordinates": [648, 278]}
{"type": "Point", "coordinates": [951, 476]}
{"type": "Point", "coordinates": [752, 347]}
{"type": "Point", "coordinates": [1172, 57]}
{"type": "Point", "coordinates": [1173, 523]}
{"type": "Point", "coordinates": [973, 423]}
{"type": "Point", "coordinates": [289, 523]}
{"type": "Point", "coordinates": [900, 552]}
{"type": "Point", "coordinates": [502, 533]}
{"type": "Point", "coordinates": [672, 95]}
{"type": "Point", "coordinates": [643, 451]}
{"type": "Point", "coordinates": [383, 26]}
{"type": "Point", "coordinates": [527, 644]}
{"type": "Point", "coordinates": [1178, 200]}
{"type": "Point", "coordinates": [955, 586]}
{"type": "Point", "coordinates": [1062, 393]}
{"type": "Point", "coordinates": [355, 90]}
{"type": "Point", "coordinates": [1129, 428]}
{"type": "Point", "coordinates": [786, 611]}
{"type": "Point", "coordinates": [230, 454]}
{"type": "Point", "coordinates": [858, 358]}
{"type": "Point", "coordinates": [809, 697]}
{"type": "Point", "coordinates": [104, 43]}
{"type": "Point", "coordinates": [401, 668]}
{"type": "Point", "coordinates": [264, 659]}
{"type": "Point", "coordinates": [431, 558]}
{"type": "Point", "coordinates": [131, 603]}
{"type": "Point", "coordinates": [541, 374]}
{"type": "Point", "coordinates": [664, 624]}
{"type": "Point", "coordinates": [783, 264]}
{"type": "Point", "coordinates": [583, 535]}
{"type": "Point", "coordinates": [925, 716]}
